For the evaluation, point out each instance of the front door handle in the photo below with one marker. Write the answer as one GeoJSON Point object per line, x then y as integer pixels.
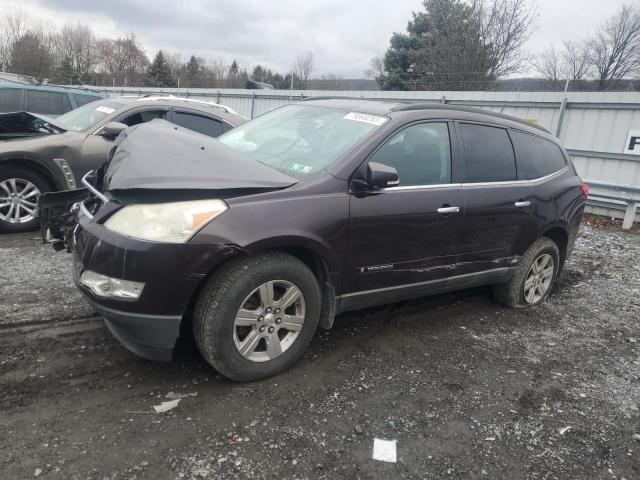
{"type": "Point", "coordinates": [449, 210]}
{"type": "Point", "coordinates": [523, 204]}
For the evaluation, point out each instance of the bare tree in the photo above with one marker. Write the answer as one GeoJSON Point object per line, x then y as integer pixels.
{"type": "Point", "coordinates": [78, 44]}
{"type": "Point", "coordinates": [576, 62]}
{"type": "Point", "coordinates": [122, 60]}
{"type": "Point", "coordinates": [615, 48]}
{"type": "Point", "coordinates": [216, 71]}
{"type": "Point", "coordinates": [549, 64]}
{"type": "Point", "coordinates": [376, 68]}
{"type": "Point", "coordinates": [14, 23]}
{"type": "Point", "coordinates": [505, 26]}
{"type": "Point", "coordinates": [176, 64]}
{"type": "Point", "coordinates": [303, 66]}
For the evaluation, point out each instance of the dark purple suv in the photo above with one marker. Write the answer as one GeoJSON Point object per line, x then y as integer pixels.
{"type": "Point", "coordinates": [261, 236]}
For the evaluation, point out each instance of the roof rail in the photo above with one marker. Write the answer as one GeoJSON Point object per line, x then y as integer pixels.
{"type": "Point", "coordinates": [337, 97]}
{"type": "Point", "coordinates": [462, 108]}
{"type": "Point", "coordinates": [152, 97]}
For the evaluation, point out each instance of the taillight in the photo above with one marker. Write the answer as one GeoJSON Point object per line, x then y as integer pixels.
{"type": "Point", "coordinates": [585, 189]}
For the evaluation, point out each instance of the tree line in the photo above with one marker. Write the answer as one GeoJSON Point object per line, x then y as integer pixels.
{"type": "Point", "coordinates": [474, 44]}
{"type": "Point", "coordinates": [606, 58]}
{"type": "Point", "coordinates": [74, 54]}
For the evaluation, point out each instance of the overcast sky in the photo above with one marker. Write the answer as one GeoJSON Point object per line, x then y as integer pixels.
{"type": "Point", "coordinates": [343, 35]}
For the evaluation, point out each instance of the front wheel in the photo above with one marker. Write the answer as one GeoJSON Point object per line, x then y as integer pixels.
{"type": "Point", "coordinates": [256, 316]}
{"type": "Point", "coordinates": [533, 278]}
{"type": "Point", "coordinates": [19, 191]}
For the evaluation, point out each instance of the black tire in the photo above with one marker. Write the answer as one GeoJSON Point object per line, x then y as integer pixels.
{"type": "Point", "coordinates": [222, 296]}
{"type": "Point", "coordinates": [511, 294]}
{"type": "Point", "coordinates": [35, 178]}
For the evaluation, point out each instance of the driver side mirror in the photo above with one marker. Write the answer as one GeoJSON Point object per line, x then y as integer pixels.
{"type": "Point", "coordinates": [113, 129]}
{"type": "Point", "coordinates": [381, 176]}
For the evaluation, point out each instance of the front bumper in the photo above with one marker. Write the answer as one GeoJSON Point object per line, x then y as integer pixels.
{"type": "Point", "coordinates": [149, 336]}
{"type": "Point", "coordinates": [172, 273]}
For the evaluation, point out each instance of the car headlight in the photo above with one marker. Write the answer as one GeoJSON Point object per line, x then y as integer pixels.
{"type": "Point", "coordinates": [172, 222]}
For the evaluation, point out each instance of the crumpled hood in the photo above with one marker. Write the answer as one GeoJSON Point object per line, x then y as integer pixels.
{"type": "Point", "coordinates": [160, 155]}
{"type": "Point", "coordinates": [25, 124]}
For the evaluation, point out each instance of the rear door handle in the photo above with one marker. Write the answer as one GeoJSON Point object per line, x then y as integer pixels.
{"type": "Point", "coordinates": [523, 204]}
{"type": "Point", "coordinates": [449, 210]}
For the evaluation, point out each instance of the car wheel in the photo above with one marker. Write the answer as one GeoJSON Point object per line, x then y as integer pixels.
{"type": "Point", "coordinates": [256, 316]}
{"type": "Point", "coordinates": [19, 192]}
{"type": "Point", "coordinates": [533, 278]}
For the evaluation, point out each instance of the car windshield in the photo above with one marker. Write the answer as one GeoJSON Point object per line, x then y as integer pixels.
{"type": "Point", "coordinates": [88, 115]}
{"type": "Point", "coordinates": [302, 140]}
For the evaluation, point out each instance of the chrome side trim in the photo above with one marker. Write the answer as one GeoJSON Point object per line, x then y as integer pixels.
{"type": "Point", "coordinates": [518, 182]}
{"type": "Point", "coordinates": [93, 189]}
{"type": "Point", "coordinates": [422, 187]}
{"type": "Point", "coordinates": [477, 184]}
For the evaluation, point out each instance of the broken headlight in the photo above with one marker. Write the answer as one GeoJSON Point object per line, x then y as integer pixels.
{"type": "Point", "coordinates": [165, 222]}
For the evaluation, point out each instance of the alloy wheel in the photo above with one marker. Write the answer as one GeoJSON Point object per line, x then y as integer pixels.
{"type": "Point", "coordinates": [269, 321]}
{"type": "Point", "coordinates": [538, 279]}
{"type": "Point", "coordinates": [18, 200]}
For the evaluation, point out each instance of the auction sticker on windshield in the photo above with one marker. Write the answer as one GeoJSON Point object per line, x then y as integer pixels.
{"type": "Point", "coordinates": [106, 110]}
{"type": "Point", "coordinates": [366, 118]}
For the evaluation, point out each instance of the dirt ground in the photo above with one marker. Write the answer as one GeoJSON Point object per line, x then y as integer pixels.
{"type": "Point", "coordinates": [467, 388]}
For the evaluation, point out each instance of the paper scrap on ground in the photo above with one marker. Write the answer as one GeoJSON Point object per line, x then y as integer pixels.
{"type": "Point", "coordinates": [173, 395]}
{"type": "Point", "coordinates": [384, 450]}
{"type": "Point", "coordinates": [166, 406]}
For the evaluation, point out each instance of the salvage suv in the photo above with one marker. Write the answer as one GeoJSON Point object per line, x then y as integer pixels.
{"type": "Point", "coordinates": [259, 237]}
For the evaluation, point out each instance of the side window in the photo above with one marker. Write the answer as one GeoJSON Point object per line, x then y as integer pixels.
{"type": "Point", "coordinates": [84, 99]}
{"type": "Point", "coordinates": [536, 156]}
{"type": "Point", "coordinates": [142, 117]}
{"type": "Point", "coordinates": [10, 100]}
{"type": "Point", "coordinates": [50, 103]}
{"type": "Point", "coordinates": [198, 123]}
{"type": "Point", "coordinates": [420, 153]}
{"type": "Point", "coordinates": [489, 154]}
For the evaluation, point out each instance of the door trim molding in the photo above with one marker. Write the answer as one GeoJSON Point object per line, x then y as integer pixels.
{"type": "Point", "coordinates": [396, 293]}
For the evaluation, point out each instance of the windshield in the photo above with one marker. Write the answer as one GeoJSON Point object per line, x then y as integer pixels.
{"type": "Point", "coordinates": [88, 115]}
{"type": "Point", "coordinates": [301, 140]}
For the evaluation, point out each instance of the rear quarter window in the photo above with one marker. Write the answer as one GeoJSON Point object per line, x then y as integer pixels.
{"type": "Point", "coordinates": [10, 100]}
{"type": "Point", "coordinates": [489, 154]}
{"type": "Point", "coordinates": [536, 157]}
{"type": "Point", "coordinates": [49, 103]}
{"type": "Point", "coordinates": [84, 99]}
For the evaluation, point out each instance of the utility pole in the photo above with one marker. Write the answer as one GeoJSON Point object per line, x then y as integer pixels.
{"type": "Point", "coordinates": [291, 90]}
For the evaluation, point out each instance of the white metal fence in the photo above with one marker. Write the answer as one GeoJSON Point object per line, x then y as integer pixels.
{"type": "Point", "coordinates": [593, 126]}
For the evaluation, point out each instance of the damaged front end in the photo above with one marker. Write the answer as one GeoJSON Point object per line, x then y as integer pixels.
{"type": "Point", "coordinates": [59, 213]}
{"type": "Point", "coordinates": [24, 124]}
{"type": "Point", "coordinates": [130, 229]}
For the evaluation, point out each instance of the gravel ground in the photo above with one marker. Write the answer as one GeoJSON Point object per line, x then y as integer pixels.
{"type": "Point", "coordinates": [467, 388]}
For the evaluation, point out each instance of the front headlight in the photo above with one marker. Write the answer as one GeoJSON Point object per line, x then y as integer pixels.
{"type": "Point", "coordinates": [165, 222]}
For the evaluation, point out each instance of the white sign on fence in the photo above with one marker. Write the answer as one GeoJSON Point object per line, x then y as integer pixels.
{"type": "Point", "coordinates": [632, 145]}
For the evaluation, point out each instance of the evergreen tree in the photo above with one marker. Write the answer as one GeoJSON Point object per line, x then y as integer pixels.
{"type": "Point", "coordinates": [193, 68]}
{"type": "Point", "coordinates": [65, 74]}
{"type": "Point", "coordinates": [159, 72]}
{"type": "Point", "coordinates": [441, 50]}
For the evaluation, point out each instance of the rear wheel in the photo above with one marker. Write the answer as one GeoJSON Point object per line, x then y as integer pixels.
{"type": "Point", "coordinates": [256, 316]}
{"type": "Point", "coordinates": [533, 278]}
{"type": "Point", "coordinates": [19, 192]}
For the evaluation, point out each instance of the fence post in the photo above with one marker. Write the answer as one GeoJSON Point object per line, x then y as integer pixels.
{"type": "Point", "coordinates": [630, 215]}
{"type": "Point", "coordinates": [253, 102]}
{"type": "Point", "coordinates": [563, 108]}
{"type": "Point", "coordinates": [218, 97]}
